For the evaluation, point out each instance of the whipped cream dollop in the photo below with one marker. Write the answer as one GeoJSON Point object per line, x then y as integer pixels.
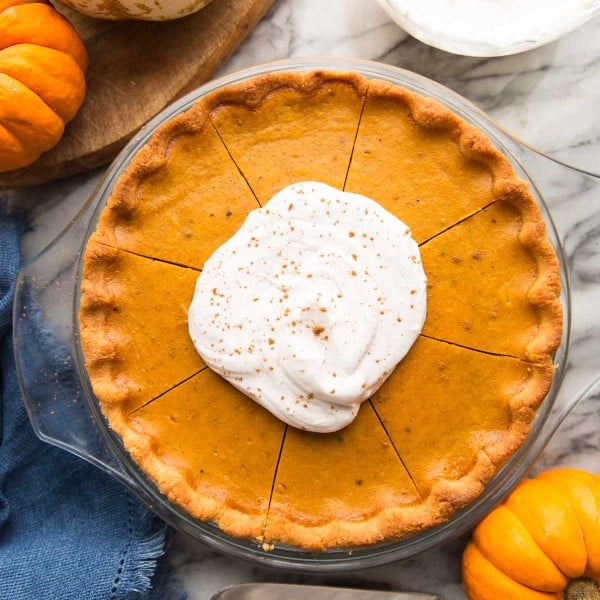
{"type": "Point", "coordinates": [308, 308]}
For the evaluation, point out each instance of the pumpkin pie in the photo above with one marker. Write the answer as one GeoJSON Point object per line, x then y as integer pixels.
{"type": "Point", "coordinates": [455, 409]}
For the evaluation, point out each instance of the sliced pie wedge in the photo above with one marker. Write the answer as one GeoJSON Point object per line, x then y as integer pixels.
{"type": "Point", "coordinates": [210, 449]}
{"type": "Point", "coordinates": [342, 489]}
{"type": "Point", "coordinates": [422, 163]}
{"type": "Point", "coordinates": [455, 415]}
{"type": "Point", "coordinates": [285, 128]}
{"type": "Point", "coordinates": [492, 285]}
{"type": "Point", "coordinates": [133, 327]}
{"type": "Point", "coordinates": [181, 198]}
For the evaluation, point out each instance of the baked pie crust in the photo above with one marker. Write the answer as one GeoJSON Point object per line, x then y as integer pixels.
{"type": "Point", "coordinates": [454, 410]}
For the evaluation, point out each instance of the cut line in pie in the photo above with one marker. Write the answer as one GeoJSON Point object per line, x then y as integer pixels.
{"type": "Point", "coordinates": [454, 410]}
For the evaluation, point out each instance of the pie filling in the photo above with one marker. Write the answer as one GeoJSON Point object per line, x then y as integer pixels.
{"type": "Point", "coordinates": [446, 418]}
{"type": "Point", "coordinates": [274, 310]}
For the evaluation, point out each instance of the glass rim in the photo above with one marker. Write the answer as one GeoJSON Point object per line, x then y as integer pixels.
{"type": "Point", "coordinates": [344, 559]}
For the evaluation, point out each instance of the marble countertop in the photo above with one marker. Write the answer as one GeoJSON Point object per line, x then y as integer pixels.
{"type": "Point", "coordinates": [549, 98]}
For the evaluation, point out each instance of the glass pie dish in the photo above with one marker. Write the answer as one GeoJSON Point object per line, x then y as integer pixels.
{"type": "Point", "coordinates": [65, 412]}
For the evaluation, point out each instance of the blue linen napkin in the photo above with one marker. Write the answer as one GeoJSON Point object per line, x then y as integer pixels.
{"type": "Point", "coordinates": [67, 529]}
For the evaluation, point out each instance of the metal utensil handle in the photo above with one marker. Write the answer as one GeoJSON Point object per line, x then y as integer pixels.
{"type": "Point", "coordinates": [288, 591]}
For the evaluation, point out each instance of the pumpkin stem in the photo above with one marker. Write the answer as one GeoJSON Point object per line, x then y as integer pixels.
{"type": "Point", "coordinates": [582, 588]}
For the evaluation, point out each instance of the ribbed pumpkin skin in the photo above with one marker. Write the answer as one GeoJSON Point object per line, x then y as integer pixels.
{"type": "Point", "coordinates": [42, 80]}
{"type": "Point", "coordinates": [545, 534]}
{"type": "Point", "coordinates": [154, 10]}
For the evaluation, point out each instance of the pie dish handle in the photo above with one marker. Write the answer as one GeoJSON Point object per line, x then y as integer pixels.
{"type": "Point", "coordinates": [44, 349]}
{"type": "Point", "coordinates": [572, 211]}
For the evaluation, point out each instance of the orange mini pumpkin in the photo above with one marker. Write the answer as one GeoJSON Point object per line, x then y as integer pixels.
{"type": "Point", "coordinates": [42, 82]}
{"type": "Point", "coordinates": [541, 543]}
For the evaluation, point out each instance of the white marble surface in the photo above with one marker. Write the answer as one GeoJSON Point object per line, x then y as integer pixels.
{"type": "Point", "coordinates": [548, 97]}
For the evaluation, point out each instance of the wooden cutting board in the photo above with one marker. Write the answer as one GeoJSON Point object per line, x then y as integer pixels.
{"type": "Point", "coordinates": [135, 69]}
